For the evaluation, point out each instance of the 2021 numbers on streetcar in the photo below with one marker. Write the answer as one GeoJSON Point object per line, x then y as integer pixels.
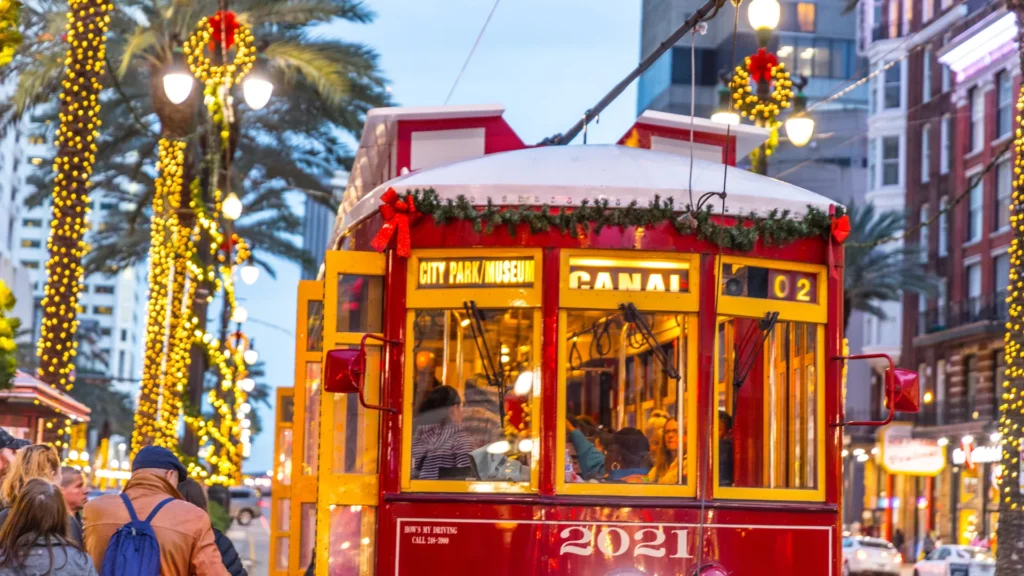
{"type": "Point", "coordinates": [614, 541]}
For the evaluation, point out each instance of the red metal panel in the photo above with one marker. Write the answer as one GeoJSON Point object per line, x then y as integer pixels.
{"type": "Point", "coordinates": [834, 382]}
{"type": "Point", "coordinates": [549, 424]}
{"type": "Point", "coordinates": [707, 325]}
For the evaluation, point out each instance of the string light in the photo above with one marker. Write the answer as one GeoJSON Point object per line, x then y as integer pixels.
{"type": "Point", "coordinates": [76, 153]}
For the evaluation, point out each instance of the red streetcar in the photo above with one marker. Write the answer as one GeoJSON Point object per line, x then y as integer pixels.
{"type": "Point", "coordinates": [571, 360]}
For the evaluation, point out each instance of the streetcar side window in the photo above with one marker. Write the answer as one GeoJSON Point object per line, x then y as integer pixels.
{"type": "Point", "coordinates": [473, 380]}
{"type": "Point", "coordinates": [768, 398]}
{"type": "Point", "coordinates": [626, 394]}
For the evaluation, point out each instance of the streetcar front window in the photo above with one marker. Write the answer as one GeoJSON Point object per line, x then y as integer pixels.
{"type": "Point", "coordinates": [626, 392]}
{"type": "Point", "coordinates": [769, 403]}
{"type": "Point", "coordinates": [473, 381]}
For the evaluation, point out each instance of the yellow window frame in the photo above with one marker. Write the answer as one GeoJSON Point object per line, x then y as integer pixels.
{"type": "Point", "coordinates": [667, 303]}
{"type": "Point", "coordinates": [341, 489]}
{"type": "Point", "coordinates": [279, 490]}
{"type": "Point", "coordinates": [453, 298]}
{"type": "Point", "coordinates": [814, 314]}
{"type": "Point", "coordinates": [304, 486]}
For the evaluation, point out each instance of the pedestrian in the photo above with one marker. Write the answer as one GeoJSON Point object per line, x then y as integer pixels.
{"type": "Point", "coordinates": [193, 493]}
{"type": "Point", "coordinates": [35, 540]}
{"type": "Point", "coordinates": [38, 461]}
{"type": "Point", "coordinates": [162, 533]}
{"type": "Point", "coordinates": [9, 446]}
{"type": "Point", "coordinates": [898, 540]}
{"type": "Point", "coordinates": [76, 493]}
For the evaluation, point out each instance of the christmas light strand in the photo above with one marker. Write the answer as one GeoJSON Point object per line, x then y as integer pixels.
{"type": "Point", "coordinates": [76, 153]}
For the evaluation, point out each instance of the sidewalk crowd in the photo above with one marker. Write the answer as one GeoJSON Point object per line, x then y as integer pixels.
{"type": "Point", "coordinates": [158, 525]}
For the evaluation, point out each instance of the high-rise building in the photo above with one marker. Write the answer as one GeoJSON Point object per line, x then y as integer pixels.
{"type": "Point", "coordinates": [12, 273]}
{"type": "Point", "coordinates": [112, 306]}
{"type": "Point", "coordinates": [317, 225]}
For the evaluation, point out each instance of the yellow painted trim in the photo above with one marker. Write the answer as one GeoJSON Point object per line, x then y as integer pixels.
{"type": "Point", "coordinates": [780, 494]}
{"type": "Point", "coordinates": [279, 490]}
{"type": "Point", "coordinates": [610, 300]}
{"type": "Point", "coordinates": [451, 486]}
{"type": "Point", "coordinates": [788, 311]}
{"type": "Point", "coordinates": [303, 488]}
{"type": "Point", "coordinates": [484, 297]}
{"type": "Point", "coordinates": [340, 489]}
{"type": "Point", "coordinates": [688, 490]}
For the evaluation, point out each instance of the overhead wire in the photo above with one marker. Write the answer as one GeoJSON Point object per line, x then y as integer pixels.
{"type": "Point", "coordinates": [472, 51]}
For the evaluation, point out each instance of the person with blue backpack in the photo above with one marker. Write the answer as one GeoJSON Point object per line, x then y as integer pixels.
{"type": "Point", "coordinates": [148, 530]}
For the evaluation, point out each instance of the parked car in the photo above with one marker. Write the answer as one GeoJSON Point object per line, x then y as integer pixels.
{"type": "Point", "coordinates": [245, 504]}
{"type": "Point", "coordinates": [951, 560]}
{"type": "Point", "coordinates": [864, 555]}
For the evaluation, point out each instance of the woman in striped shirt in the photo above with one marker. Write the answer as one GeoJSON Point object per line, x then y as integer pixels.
{"type": "Point", "coordinates": [440, 447]}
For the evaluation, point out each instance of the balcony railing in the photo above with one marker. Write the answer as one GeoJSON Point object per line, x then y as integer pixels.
{"type": "Point", "coordinates": [986, 308]}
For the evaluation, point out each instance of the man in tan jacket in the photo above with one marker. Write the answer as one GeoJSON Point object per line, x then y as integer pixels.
{"type": "Point", "coordinates": [187, 547]}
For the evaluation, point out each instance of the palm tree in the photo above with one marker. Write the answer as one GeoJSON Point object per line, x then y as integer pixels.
{"type": "Point", "coordinates": [323, 87]}
{"type": "Point", "coordinates": [877, 273]}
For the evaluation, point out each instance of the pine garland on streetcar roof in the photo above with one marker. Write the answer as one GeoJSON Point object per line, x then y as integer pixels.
{"type": "Point", "coordinates": [777, 228]}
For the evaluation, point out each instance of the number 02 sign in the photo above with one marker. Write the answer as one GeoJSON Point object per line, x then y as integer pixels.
{"type": "Point", "coordinates": [793, 286]}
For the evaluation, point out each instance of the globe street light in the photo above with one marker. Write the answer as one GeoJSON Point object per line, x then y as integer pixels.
{"type": "Point", "coordinates": [724, 114]}
{"type": "Point", "coordinates": [250, 274]}
{"type": "Point", "coordinates": [764, 14]}
{"type": "Point", "coordinates": [231, 207]}
{"type": "Point", "coordinates": [178, 86]}
{"type": "Point", "coordinates": [257, 90]}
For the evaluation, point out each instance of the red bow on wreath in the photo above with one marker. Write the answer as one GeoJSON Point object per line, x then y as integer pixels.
{"type": "Point", "coordinates": [761, 65]}
{"type": "Point", "coordinates": [223, 26]}
{"type": "Point", "coordinates": [399, 213]}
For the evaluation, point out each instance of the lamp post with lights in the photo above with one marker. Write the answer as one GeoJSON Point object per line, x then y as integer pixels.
{"type": "Point", "coordinates": [770, 93]}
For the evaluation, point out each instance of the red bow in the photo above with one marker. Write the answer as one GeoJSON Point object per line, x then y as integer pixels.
{"type": "Point", "coordinates": [841, 228]}
{"type": "Point", "coordinates": [399, 213]}
{"type": "Point", "coordinates": [223, 25]}
{"type": "Point", "coordinates": [761, 65]}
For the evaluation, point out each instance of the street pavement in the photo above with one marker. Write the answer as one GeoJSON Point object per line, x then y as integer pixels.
{"type": "Point", "coordinates": [253, 542]}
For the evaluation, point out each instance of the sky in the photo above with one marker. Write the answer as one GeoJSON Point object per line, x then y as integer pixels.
{"type": "Point", "coordinates": [545, 61]}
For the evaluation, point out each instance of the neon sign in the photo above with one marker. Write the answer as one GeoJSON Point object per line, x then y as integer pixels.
{"type": "Point", "coordinates": [624, 275]}
{"type": "Point", "coordinates": [476, 273]}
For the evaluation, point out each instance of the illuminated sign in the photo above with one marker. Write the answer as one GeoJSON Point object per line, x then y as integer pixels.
{"type": "Point", "coordinates": [476, 273]}
{"type": "Point", "coordinates": [904, 454]}
{"type": "Point", "coordinates": [625, 275]}
{"type": "Point", "coordinates": [979, 455]}
{"type": "Point", "coordinates": [770, 284]}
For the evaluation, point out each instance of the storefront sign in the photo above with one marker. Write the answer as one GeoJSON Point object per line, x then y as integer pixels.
{"type": "Point", "coordinates": [476, 273]}
{"type": "Point", "coordinates": [624, 275]}
{"type": "Point", "coordinates": [599, 546]}
{"type": "Point", "coordinates": [903, 454]}
{"type": "Point", "coordinates": [979, 455]}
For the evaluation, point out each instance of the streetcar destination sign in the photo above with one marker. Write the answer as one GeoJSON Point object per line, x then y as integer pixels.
{"type": "Point", "coordinates": [476, 272]}
{"type": "Point", "coordinates": [625, 275]}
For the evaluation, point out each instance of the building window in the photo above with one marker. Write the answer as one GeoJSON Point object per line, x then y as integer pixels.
{"type": "Point", "coordinates": [892, 86]}
{"type": "Point", "coordinates": [926, 11]}
{"type": "Point", "coordinates": [943, 227]}
{"type": "Point", "coordinates": [940, 304]}
{"type": "Point", "coordinates": [805, 12]}
{"type": "Point", "coordinates": [926, 152]}
{"type": "Point", "coordinates": [107, 289]}
{"type": "Point", "coordinates": [36, 140]}
{"type": "Point", "coordinates": [1001, 273]}
{"type": "Point", "coordinates": [103, 310]}
{"type": "Point", "coordinates": [926, 74]}
{"type": "Point", "coordinates": [894, 18]}
{"type": "Point", "coordinates": [908, 16]}
{"type": "Point", "coordinates": [30, 265]}
{"type": "Point", "coordinates": [872, 164]}
{"type": "Point", "coordinates": [32, 223]}
{"type": "Point", "coordinates": [922, 316]}
{"type": "Point", "coordinates": [26, 243]}
{"type": "Point", "coordinates": [974, 211]}
{"type": "Point", "coordinates": [976, 132]}
{"type": "Point", "coordinates": [890, 160]}
{"type": "Point", "coordinates": [105, 331]}
{"type": "Point", "coordinates": [971, 377]}
{"type": "Point", "coordinates": [124, 335]}
{"type": "Point", "coordinates": [705, 68]}
{"type": "Point", "coordinates": [1004, 193]}
{"type": "Point", "coordinates": [973, 278]}
{"type": "Point", "coordinates": [945, 145]}
{"type": "Point", "coordinates": [120, 364]}
{"type": "Point", "coordinates": [923, 233]}
{"type": "Point", "coordinates": [36, 161]}
{"type": "Point", "coordinates": [1004, 109]}
{"type": "Point", "coordinates": [945, 79]}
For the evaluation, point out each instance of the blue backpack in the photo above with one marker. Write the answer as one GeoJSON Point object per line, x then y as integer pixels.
{"type": "Point", "coordinates": [134, 550]}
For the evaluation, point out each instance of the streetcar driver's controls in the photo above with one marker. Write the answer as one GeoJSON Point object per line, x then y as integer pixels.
{"type": "Point", "coordinates": [763, 329]}
{"type": "Point", "coordinates": [643, 329]}
{"type": "Point", "coordinates": [495, 376]}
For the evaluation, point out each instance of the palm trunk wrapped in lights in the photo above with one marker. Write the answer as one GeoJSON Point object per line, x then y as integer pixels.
{"type": "Point", "coordinates": [1010, 534]}
{"type": "Point", "coordinates": [76, 136]}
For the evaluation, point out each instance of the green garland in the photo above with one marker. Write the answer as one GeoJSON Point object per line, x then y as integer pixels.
{"type": "Point", "coordinates": [776, 229]}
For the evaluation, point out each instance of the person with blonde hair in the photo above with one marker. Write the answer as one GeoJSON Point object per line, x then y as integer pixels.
{"type": "Point", "coordinates": [36, 462]}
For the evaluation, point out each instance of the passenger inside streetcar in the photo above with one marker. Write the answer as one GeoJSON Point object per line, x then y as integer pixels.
{"type": "Point", "coordinates": [440, 447]}
{"type": "Point", "coordinates": [626, 374]}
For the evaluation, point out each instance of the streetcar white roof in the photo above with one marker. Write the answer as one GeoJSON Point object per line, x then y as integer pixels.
{"type": "Point", "coordinates": [566, 175]}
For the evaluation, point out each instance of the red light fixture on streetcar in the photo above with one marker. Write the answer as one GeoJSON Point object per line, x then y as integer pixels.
{"type": "Point", "coordinates": [904, 388]}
